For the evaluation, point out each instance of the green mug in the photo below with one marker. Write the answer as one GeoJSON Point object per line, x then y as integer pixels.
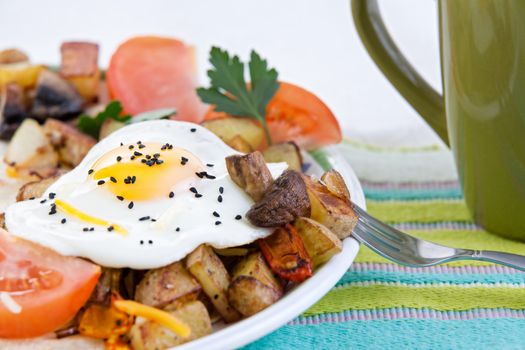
{"type": "Point", "coordinates": [481, 114]}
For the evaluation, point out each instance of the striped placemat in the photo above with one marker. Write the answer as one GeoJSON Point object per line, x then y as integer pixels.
{"type": "Point", "coordinates": [381, 305]}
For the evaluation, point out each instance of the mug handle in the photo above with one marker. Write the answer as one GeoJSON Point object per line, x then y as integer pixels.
{"type": "Point", "coordinates": [380, 46]}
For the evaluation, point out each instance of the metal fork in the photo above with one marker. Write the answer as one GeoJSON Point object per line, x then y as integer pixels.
{"type": "Point", "coordinates": [410, 251]}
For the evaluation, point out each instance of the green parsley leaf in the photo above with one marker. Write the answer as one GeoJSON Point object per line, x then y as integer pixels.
{"type": "Point", "coordinates": [156, 114]}
{"type": "Point", "coordinates": [229, 91]}
{"type": "Point", "coordinates": [91, 125]}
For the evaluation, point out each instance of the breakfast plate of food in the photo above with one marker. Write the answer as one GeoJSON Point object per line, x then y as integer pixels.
{"type": "Point", "coordinates": [140, 211]}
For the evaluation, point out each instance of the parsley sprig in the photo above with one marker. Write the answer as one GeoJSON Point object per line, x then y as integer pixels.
{"type": "Point", "coordinates": [229, 91]}
{"type": "Point", "coordinates": [91, 125]}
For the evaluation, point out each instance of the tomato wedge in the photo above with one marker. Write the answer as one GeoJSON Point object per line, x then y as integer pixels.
{"type": "Point", "coordinates": [296, 114]}
{"type": "Point", "coordinates": [40, 290]}
{"type": "Point", "coordinates": [148, 72]}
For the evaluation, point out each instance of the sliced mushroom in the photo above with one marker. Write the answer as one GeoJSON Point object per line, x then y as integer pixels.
{"type": "Point", "coordinates": [12, 109]}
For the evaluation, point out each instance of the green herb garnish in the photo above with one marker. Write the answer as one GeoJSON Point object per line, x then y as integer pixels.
{"type": "Point", "coordinates": [91, 125]}
{"type": "Point", "coordinates": [229, 91]}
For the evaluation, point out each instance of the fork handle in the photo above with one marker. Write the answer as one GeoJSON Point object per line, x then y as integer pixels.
{"type": "Point", "coordinates": [512, 260]}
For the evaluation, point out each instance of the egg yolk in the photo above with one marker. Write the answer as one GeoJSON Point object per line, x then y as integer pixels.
{"type": "Point", "coordinates": [145, 171]}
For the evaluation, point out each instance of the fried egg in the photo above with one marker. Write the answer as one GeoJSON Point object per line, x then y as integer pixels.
{"type": "Point", "coordinates": [144, 197]}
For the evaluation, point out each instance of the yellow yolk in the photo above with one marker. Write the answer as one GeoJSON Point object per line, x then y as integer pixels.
{"type": "Point", "coordinates": [70, 210]}
{"type": "Point", "coordinates": [145, 171]}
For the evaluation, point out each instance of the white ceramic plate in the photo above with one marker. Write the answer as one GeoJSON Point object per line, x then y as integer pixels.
{"type": "Point", "coordinates": [307, 293]}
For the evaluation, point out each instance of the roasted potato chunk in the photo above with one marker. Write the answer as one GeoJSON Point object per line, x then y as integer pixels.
{"type": "Point", "coordinates": [10, 56]}
{"type": "Point", "coordinates": [167, 287]}
{"type": "Point", "coordinates": [80, 67]}
{"type": "Point", "coordinates": [320, 243]}
{"type": "Point", "coordinates": [250, 173]}
{"type": "Point", "coordinates": [208, 269]}
{"type": "Point", "coordinates": [30, 154]}
{"type": "Point", "coordinates": [287, 152]}
{"type": "Point", "coordinates": [238, 143]}
{"type": "Point", "coordinates": [72, 145]}
{"type": "Point", "coordinates": [335, 183]}
{"type": "Point", "coordinates": [329, 209]}
{"type": "Point", "coordinates": [15, 67]}
{"type": "Point", "coordinates": [253, 286]}
{"type": "Point", "coordinates": [35, 189]}
{"type": "Point", "coordinates": [282, 203]}
{"type": "Point", "coordinates": [228, 128]}
{"type": "Point", "coordinates": [152, 336]}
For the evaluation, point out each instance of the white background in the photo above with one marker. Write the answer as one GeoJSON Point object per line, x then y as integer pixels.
{"type": "Point", "coordinates": [311, 42]}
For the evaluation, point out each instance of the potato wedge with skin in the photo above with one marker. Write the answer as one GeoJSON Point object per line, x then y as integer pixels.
{"type": "Point", "coordinates": [287, 152]}
{"type": "Point", "coordinates": [238, 143]}
{"type": "Point", "coordinates": [152, 336]}
{"type": "Point", "coordinates": [167, 287]}
{"type": "Point", "coordinates": [335, 183]}
{"type": "Point", "coordinates": [253, 287]}
{"type": "Point", "coordinates": [282, 203]}
{"type": "Point", "coordinates": [227, 128]}
{"type": "Point", "coordinates": [72, 144]}
{"type": "Point", "coordinates": [250, 173]}
{"type": "Point", "coordinates": [30, 154]}
{"type": "Point", "coordinates": [329, 209]}
{"type": "Point", "coordinates": [79, 66]}
{"type": "Point", "coordinates": [209, 270]}
{"type": "Point", "coordinates": [320, 243]}
{"type": "Point", "coordinates": [35, 189]}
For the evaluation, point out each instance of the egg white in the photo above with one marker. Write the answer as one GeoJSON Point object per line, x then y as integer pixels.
{"type": "Point", "coordinates": [161, 243]}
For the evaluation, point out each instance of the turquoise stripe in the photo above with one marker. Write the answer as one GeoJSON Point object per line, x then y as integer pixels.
{"type": "Point", "coordinates": [502, 333]}
{"type": "Point", "coordinates": [412, 194]}
{"type": "Point", "coordinates": [414, 278]}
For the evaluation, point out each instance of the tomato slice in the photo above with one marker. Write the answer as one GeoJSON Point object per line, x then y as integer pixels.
{"type": "Point", "coordinates": [49, 288]}
{"type": "Point", "coordinates": [296, 114]}
{"type": "Point", "coordinates": [149, 72]}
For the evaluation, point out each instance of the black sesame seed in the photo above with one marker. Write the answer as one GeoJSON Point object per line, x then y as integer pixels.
{"type": "Point", "coordinates": [238, 217]}
{"type": "Point", "coordinates": [221, 190]}
{"type": "Point", "coordinates": [177, 229]}
{"type": "Point", "coordinates": [137, 153]}
{"type": "Point", "coordinates": [63, 221]}
{"type": "Point", "coordinates": [130, 205]}
{"type": "Point", "coordinates": [43, 201]}
{"type": "Point", "coordinates": [90, 171]}
{"type": "Point", "coordinates": [153, 220]}
{"type": "Point", "coordinates": [156, 155]}
{"type": "Point", "coordinates": [150, 241]}
{"type": "Point", "coordinates": [32, 198]}
{"type": "Point", "coordinates": [127, 180]}
{"type": "Point", "coordinates": [132, 157]}
{"type": "Point", "coordinates": [52, 212]}
{"type": "Point", "coordinates": [171, 195]}
{"type": "Point", "coordinates": [139, 142]}
{"type": "Point", "coordinates": [198, 195]}
{"type": "Point", "coordinates": [217, 215]}
{"type": "Point", "coordinates": [148, 156]}
{"type": "Point", "coordinates": [131, 147]}
{"type": "Point", "coordinates": [193, 129]}
{"type": "Point", "coordinates": [193, 190]}
{"type": "Point", "coordinates": [159, 161]}
{"type": "Point", "coordinates": [217, 223]}
{"type": "Point", "coordinates": [210, 177]}
{"type": "Point", "coordinates": [101, 182]}
{"type": "Point", "coordinates": [121, 144]}
{"type": "Point", "coordinates": [200, 175]}
{"type": "Point", "coordinates": [219, 199]}
{"type": "Point", "coordinates": [120, 198]}
{"type": "Point", "coordinates": [92, 229]}
{"type": "Point", "coordinates": [210, 165]}
{"type": "Point", "coordinates": [163, 148]}
{"type": "Point", "coordinates": [141, 242]}
{"type": "Point", "coordinates": [51, 195]}
{"type": "Point", "coordinates": [143, 161]}
{"type": "Point", "coordinates": [85, 229]}
{"type": "Point", "coordinates": [133, 179]}
{"type": "Point", "coordinates": [183, 160]}
{"type": "Point", "coordinates": [141, 146]}
{"type": "Point", "coordinates": [113, 179]}
{"type": "Point", "coordinates": [144, 218]}
{"type": "Point", "coordinates": [119, 158]}
{"type": "Point", "coordinates": [110, 228]}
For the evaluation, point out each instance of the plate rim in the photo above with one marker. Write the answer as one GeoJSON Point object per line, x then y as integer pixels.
{"type": "Point", "coordinates": [307, 293]}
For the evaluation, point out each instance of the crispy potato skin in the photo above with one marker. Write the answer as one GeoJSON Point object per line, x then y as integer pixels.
{"type": "Point", "coordinates": [283, 202]}
{"type": "Point", "coordinates": [285, 253]}
{"type": "Point", "coordinates": [254, 286]}
{"type": "Point", "coordinates": [35, 189]}
{"type": "Point", "coordinates": [209, 270]}
{"type": "Point", "coordinates": [80, 67]}
{"type": "Point", "coordinates": [152, 336]}
{"type": "Point", "coordinates": [320, 243]}
{"type": "Point", "coordinates": [167, 287]}
{"type": "Point", "coordinates": [335, 183]}
{"type": "Point", "coordinates": [228, 128]}
{"type": "Point", "coordinates": [329, 209]}
{"type": "Point", "coordinates": [287, 152]}
{"type": "Point", "coordinates": [71, 144]}
{"type": "Point", "coordinates": [250, 173]}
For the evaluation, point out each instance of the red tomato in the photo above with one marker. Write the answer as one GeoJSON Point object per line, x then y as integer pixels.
{"type": "Point", "coordinates": [298, 115]}
{"type": "Point", "coordinates": [49, 287]}
{"type": "Point", "coordinates": [148, 72]}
